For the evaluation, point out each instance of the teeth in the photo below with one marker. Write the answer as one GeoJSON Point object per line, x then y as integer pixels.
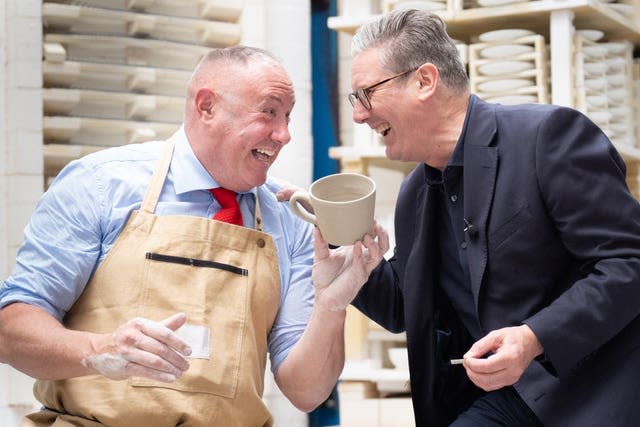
{"type": "Point", "coordinates": [265, 152]}
{"type": "Point", "coordinates": [383, 129]}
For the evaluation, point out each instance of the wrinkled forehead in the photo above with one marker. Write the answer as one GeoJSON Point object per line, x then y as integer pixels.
{"type": "Point", "coordinates": [366, 67]}
{"type": "Point", "coordinates": [263, 78]}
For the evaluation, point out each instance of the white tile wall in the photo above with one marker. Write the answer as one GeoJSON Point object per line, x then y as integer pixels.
{"type": "Point", "coordinates": [281, 26]}
{"type": "Point", "coordinates": [20, 162]}
{"type": "Point", "coordinates": [4, 261]}
{"type": "Point", "coordinates": [22, 157]}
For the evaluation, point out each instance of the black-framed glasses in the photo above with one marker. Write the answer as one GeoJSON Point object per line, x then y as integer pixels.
{"type": "Point", "coordinates": [362, 94]}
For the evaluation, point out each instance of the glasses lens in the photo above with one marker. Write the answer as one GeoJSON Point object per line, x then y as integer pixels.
{"type": "Point", "coordinates": [360, 95]}
{"type": "Point", "coordinates": [353, 98]}
{"type": "Point", "coordinates": [364, 99]}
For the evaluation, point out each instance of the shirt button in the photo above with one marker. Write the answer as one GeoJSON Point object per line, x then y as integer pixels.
{"type": "Point", "coordinates": [463, 245]}
{"type": "Point", "coordinates": [454, 198]}
{"type": "Point", "coordinates": [261, 243]}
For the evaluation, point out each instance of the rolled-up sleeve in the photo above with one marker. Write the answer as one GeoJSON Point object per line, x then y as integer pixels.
{"type": "Point", "coordinates": [62, 244]}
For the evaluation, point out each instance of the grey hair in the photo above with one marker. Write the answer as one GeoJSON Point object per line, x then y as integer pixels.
{"type": "Point", "coordinates": [409, 38]}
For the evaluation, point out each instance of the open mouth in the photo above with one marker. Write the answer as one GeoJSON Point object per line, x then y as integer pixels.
{"type": "Point", "coordinates": [263, 154]}
{"type": "Point", "coordinates": [383, 129]}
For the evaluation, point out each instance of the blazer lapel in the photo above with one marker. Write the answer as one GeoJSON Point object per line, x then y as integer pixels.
{"type": "Point", "coordinates": [479, 171]}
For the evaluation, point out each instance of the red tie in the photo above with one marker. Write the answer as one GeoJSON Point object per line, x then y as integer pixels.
{"type": "Point", "coordinates": [230, 211]}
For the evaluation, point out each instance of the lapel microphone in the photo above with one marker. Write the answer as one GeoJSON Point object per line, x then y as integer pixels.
{"type": "Point", "coordinates": [469, 229]}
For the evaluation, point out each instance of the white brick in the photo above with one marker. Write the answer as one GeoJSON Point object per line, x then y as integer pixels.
{"type": "Point", "coordinates": [24, 152]}
{"type": "Point", "coordinates": [24, 39]}
{"type": "Point", "coordinates": [17, 218]}
{"type": "Point", "coordinates": [27, 8]}
{"type": "Point", "coordinates": [23, 189]}
{"type": "Point", "coordinates": [25, 110]}
{"type": "Point", "coordinates": [12, 251]}
{"type": "Point", "coordinates": [24, 74]}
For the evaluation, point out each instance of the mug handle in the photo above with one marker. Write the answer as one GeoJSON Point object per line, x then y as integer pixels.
{"type": "Point", "coordinates": [298, 209]}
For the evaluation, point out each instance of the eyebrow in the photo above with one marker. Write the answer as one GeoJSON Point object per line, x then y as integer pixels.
{"type": "Point", "coordinates": [279, 100]}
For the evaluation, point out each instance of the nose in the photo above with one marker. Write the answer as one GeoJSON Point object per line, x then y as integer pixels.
{"type": "Point", "coordinates": [281, 134]}
{"type": "Point", "coordinates": [360, 114]}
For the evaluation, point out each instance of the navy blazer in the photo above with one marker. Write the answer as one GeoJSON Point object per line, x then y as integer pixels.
{"type": "Point", "coordinates": [556, 246]}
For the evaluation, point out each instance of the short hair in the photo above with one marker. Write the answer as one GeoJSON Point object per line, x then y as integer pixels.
{"type": "Point", "coordinates": [409, 38]}
{"type": "Point", "coordinates": [237, 54]}
{"type": "Point", "coordinates": [228, 56]}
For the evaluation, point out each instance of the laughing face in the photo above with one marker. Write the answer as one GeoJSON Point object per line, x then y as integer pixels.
{"type": "Point", "coordinates": [249, 124]}
{"type": "Point", "coordinates": [392, 112]}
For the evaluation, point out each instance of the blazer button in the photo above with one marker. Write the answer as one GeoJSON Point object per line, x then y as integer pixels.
{"type": "Point", "coordinates": [261, 243]}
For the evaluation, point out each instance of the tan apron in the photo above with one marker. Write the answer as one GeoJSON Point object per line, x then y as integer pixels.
{"type": "Point", "coordinates": [224, 277]}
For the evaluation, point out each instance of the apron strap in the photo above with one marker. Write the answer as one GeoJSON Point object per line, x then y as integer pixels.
{"type": "Point", "coordinates": [257, 221]}
{"type": "Point", "coordinates": [157, 180]}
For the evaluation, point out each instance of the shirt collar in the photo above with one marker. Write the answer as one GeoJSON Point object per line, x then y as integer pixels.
{"type": "Point", "coordinates": [187, 171]}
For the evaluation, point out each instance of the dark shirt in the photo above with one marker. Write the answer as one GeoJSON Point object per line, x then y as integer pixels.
{"type": "Point", "coordinates": [453, 274]}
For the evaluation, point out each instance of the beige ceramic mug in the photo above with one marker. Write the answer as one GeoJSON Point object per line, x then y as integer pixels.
{"type": "Point", "coordinates": [343, 205]}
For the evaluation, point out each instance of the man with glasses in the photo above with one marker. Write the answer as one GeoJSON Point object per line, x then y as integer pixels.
{"type": "Point", "coordinates": [516, 272]}
{"type": "Point", "coordinates": [362, 94]}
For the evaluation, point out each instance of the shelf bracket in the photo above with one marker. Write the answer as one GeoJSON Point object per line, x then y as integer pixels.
{"type": "Point", "coordinates": [561, 34]}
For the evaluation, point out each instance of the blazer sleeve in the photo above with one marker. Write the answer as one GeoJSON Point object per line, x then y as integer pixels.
{"type": "Point", "coordinates": [581, 178]}
{"type": "Point", "coordinates": [381, 298]}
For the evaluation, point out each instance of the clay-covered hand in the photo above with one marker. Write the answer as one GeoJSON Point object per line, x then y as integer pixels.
{"type": "Point", "coordinates": [143, 348]}
{"type": "Point", "coordinates": [338, 274]}
{"type": "Point", "coordinates": [284, 195]}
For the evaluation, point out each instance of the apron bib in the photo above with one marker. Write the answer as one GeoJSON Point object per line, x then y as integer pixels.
{"type": "Point", "coordinates": [224, 277]}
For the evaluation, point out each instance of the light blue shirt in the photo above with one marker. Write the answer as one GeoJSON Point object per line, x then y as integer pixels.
{"type": "Point", "coordinates": [77, 221]}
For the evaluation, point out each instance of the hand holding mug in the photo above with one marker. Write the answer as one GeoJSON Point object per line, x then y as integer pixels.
{"type": "Point", "coordinates": [343, 205]}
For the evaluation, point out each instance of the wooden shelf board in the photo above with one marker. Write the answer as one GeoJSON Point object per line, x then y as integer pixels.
{"type": "Point", "coordinates": [364, 157]}
{"type": "Point", "coordinates": [113, 105]}
{"type": "Point", "coordinates": [533, 15]}
{"type": "Point", "coordinates": [102, 132]}
{"type": "Point", "coordinates": [92, 20]}
{"type": "Point", "coordinates": [114, 77]}
{"type": "Point", "coordinates": [218, 10]}
{"type": "Point", "coordinates": [56, 156]}
{"type": "Point", "coordinates": [129, 50]}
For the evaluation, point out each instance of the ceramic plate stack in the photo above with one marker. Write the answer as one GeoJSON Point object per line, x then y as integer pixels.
{"type": "Point", "coordinates": [619, 60]}
{"type": "Point", "coordinates": [115, 71]}
{"type": "Point", "coordinates": [604, 84]}
{"type": "Point", "coordinates": [591, 77]}
{"type": "Point", "coordinates": [509, 66]}
{"type": "Point", "coordinates": [463, 50]}
{"type": "Point", "coordinates": [625, 9]}
{"type": "Point", "coordinates": [430, 5]}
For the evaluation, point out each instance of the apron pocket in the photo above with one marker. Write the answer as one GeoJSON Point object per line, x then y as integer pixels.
{"type": "Point", "coordinates": [214, 296]}
{"type": "Point", "coordinates": [196, 263]}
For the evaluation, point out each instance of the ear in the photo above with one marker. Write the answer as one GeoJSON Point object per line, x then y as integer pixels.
{"type": "Point", "coordinates": [428, 78]}
{"type": "Point", "coordinates": [204, 103]}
